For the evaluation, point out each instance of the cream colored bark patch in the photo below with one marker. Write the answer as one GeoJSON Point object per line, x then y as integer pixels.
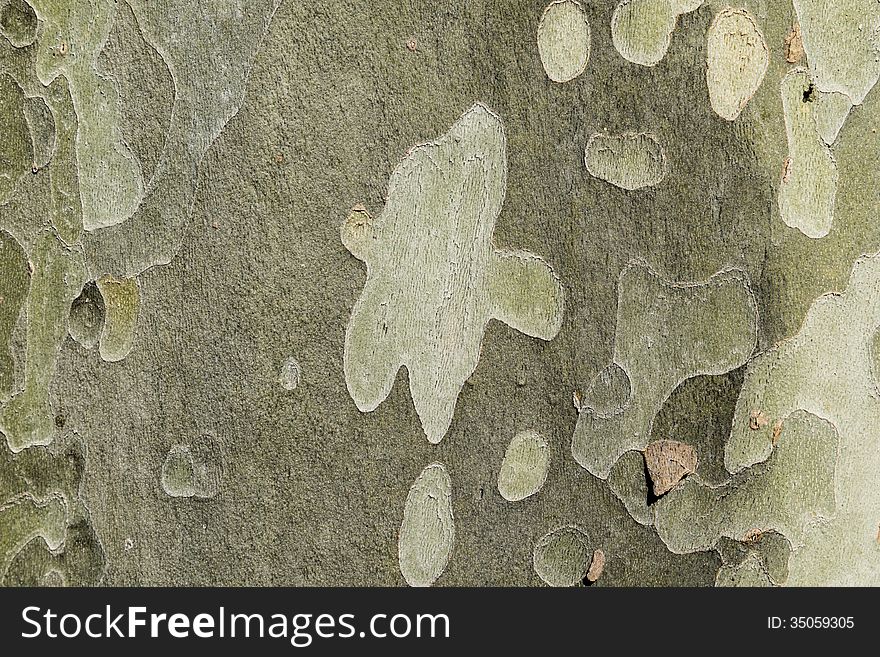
{"type": "Point", "coordinates": [736, 61]}
{"type": "Point", "coordinates": [427, 532]}
{"type": "Point", "coordinates": [808, 187]}
{"type": "Point", "coordinates": [830, 113]}
{"type": "Point", "coordinates": [842, 42]}
{"type": "Point", "coordinates": [666, 332]}
{"type": "Point", "coordinates": [564, 40]}
{"type": "Point", "coordinates": [434, 276]}
{"type": "Point", "coordinates": [524, 469]}
{"type": "Point", "coordinates": [597, 566]}
{"type": "Point", "coordinates": [827, 370]}
{"type": "Point", "coordinates": [642, 29]}
{"type": "Point", "coordinates": [562, 557]}
{"type": "Point", "coordinates": [629, 161]}
{"type": "Point", "coordinates": [121, 307]}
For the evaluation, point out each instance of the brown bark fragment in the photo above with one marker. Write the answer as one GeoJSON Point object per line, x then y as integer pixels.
{"type": "Point", "coordinates": [794, 45]}
{"type": "Point", "coordinates": [669, 461]}
{"type": "Point", "coordinates": [597, 565]}
{"type": "Point", "coordinates": [777, 431]}
{"type": "Point", "coordinates": [758, 420]}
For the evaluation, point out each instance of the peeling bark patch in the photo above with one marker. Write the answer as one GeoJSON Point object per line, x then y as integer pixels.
{"type": "Point", "coordinates": [842, 43]}
{"type": "Point", "coordinates": [564, 40]}
{"type": "Point", "coordinates": [825, 370]}
{"type": "Point", "coordinates": [627, 480]}
{"type": "Point", "coordinates": [14, 283]}
{"type": "Point", "coordinates": [110, 178]}
{"type": "Point", "coordinates": [24, 518]}
{"type": "Point", "coordinates": [562, 557]}
{"type": "Point", "coordinates": [807, 192]}
{"type": "Point", "coordinates": [434, 277]}
{"type": "Point", "coordinates": [786, 494]}
{"type": "Point", "coordinates": [193, 470]}
{"type": "Point", "coordinates": [121, 307]}
{"type": "Point", "coordinates": [608, 393]}
{"type": "Point", "coordinates": [667, 332]}
{"type": "Point", "coordinates": [27, 419]}
{"type": "Point", "coordinates": [524, 468]}
{"type": "Point", "coordinates": [830, 112]}
{"type": "Point", "coordinates": [87, 316]}
{"type": "Point", "coordinates": [629, 161]}
{"type": "Point", "coordinates": [290, 374]}
{"type": "Point", "coordinates": [642, 29]}
{"type": "Point", "coordinates": [81, 563]}
{"type": "Point", "coordinates": [737, 60]}
{"type": "Point", "coordinates": [427, 532]}
{"type": "Point", "coordinates": [794, 45]}
{"type": "Point", "coordinates": [748, 573]}
{"type": "Point", "coordinates": [597, 566]}
{"type": "Point", "coordinates": [668, 462]}
{"type": "Point", "coordinates": [16, 149]}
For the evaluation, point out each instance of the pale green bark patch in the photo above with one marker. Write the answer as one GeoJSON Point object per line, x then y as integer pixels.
{"type": "Point", "coordinates": [629, 161]}
{"type": "Point", "coordinates": [16, 149]}
{"type": "Point", "coordinates": [193, 470]}
{"type": "Point", "coordinates": [57, 276]}
{"type": "Point", "coordinates": [110, 178]}
{"type": "Point", "coordinates": [434, 276]}
{"type": "Point", "coordinates": [828, 370]}
{"type": "Point", "coordinates": [809, 178]}
{"type": "Point", "coordinates": [737, 60]}
{"type": "Point", "coordinates": [427, 532]}
{"type": "Point", "coordinates": [564, 40]}
{"type": "Point", "coordinates": [14, 283]}
{"type": "Point", "coordinates": [562, 557]}
{"type": "Point", "coordinates": [627, 480]}
{"type": "Point", "coordinates": [525, 465]}
{"type": "Point", "coordinates": [666, 332]}
{"type": "Point", "coordinates": [121, 308]}
{"type": "Point", "coordinates": [87, 316]}
{"type": "Point", "coordinates": [642, 29]}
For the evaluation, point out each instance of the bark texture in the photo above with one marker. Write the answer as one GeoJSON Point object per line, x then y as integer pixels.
{"type": "Point", "coordinates": [371, 292]}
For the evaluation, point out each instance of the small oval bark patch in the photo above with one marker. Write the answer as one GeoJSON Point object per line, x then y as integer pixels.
{"type": "Point", "coordinates": [428, 528]}
{"type": "Point", "coordinates": [562, 557]}
{"type": "Point", "coordinates": [629, 161]}
{"type": "Point", "coordinates": [525, 465]}
{"type": "Point", "coordinates": [736, 61]}
{"type": "Point", "coordinates": [564, 40]}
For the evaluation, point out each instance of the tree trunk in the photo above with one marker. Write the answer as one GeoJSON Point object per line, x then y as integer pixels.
{"type": "Point", "coordinates": [469, 293]}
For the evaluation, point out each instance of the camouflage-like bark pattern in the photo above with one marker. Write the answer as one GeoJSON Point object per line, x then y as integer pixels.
{"type": "Point", "coordinates": [355, 293]}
